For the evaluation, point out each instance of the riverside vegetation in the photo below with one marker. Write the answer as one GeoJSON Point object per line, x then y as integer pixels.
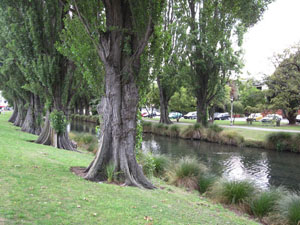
{"type": "Point", "coordinates": [273, 206]}
{"type": "Point", "coordinates": [36, 186]}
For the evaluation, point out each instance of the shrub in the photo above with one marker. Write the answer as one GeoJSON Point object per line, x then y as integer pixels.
{"type": "Point", "coordinates": [264, 203]}
{"type": "Point", "coordinates": [289, 208]}
{"type": "Point", "coordinates": [205, 182]}
{"type": "Point", "coordinates": [186, 173]}
{"type": "Point", "coordinates": [147, 126]}
{"type": "Point", "coordinates": [232, 138]}
{"type": "Point", "coordinates": [233, 192]}
{"type": "Point", "coordinates": [161, 164]}
{"type": "Point", "coordinates": [93, 148]}
{"type": "Point", "coordinates": [296, 143]}
{"type": "Point", "coordinates": [174, 131]}
{"type": "Point", "coordinates": [281, 141]}
{"type": "Point", "coordinates": [110, 171]}
{"type": "Point", "coordinates": [147, 162]}
{"type": "Point", "coordinates": [215, 128]}
{"type": "Point", "coordinates": [88, 139]}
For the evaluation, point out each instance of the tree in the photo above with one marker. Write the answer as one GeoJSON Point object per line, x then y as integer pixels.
{"type": "Point", "coordinates": [183, 101]}
{"type": "Point", "coordinates": [212, 27]}
{"type": "Point", "coordinates": [120, 31]}
{"type": "Point", "coordinates": [284, 83]}
{"type": "Point", "coordinates": [168, 58]}
{"type": "Point", "coordinates": [34, 28]}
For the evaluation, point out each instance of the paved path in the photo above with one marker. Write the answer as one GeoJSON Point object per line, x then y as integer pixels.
{"type": "Point", "coordinates": [241, 127]}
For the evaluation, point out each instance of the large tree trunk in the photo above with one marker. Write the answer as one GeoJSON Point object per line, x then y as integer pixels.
{"type": "Point", "coordinates": [202, 111]}
{"type": "Point", "coordinates": [291, 116]}
{"type": "Point", "coordinates": [49, 137]}
{"type": "Point", "coordinates": [21, 114]}
{"type": "Point", "coordinates": [86, 107]}
{"type": "Point", "coordinates": [118, 136]}
{"type": "Point", "coordinates": [32, 122]}
{"type": "Point", "coordinates": [164, 102]}
{"type": "Point", "coordinates": [13, 117]}
{"type": "Point", "coordinates": [29, 122]}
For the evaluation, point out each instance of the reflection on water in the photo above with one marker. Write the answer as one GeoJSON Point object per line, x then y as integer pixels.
{"type": "Point", "coordinates": [264, 167]}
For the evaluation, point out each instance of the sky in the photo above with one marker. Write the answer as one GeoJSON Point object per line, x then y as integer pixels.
{"type": "Point", "coordinates": [278, 29]}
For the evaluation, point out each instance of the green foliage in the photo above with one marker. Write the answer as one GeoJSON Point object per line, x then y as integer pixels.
{"type": "Point", "coordinates": [235, 192]}
{"type": "Point", "coordinates": [58, 121]}
{"type": "Point", "coordinates": [215, 128]}
{"type": "Point", "coordinates": [139, 132]}
{"type": "Point", "coordinates": [231, 137]}
{"type": "Point", "coordinates": [147, 161]}
{"type": "Point", "coordinates": [205, 182]}
{"type": "Point", "coordinates": [289, 207]}
{"type": "Point", "coordinates": [188, 167]}
{"type": "Point", "coordinates": [110, 171]}
{"type": "Point", "coordinates": [182, 101]}
{"type": "Point", "coordinates": [284, 83]}
{"type": "Point", "coordinates": [281, 141]}
{"type": "Point", "coordinates": [161, 163]}
{"type": "Point", "coordinates": [264, 203]}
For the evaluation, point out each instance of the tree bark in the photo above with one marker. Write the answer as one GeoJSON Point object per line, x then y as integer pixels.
{"type": "Point", "coordinates": [21, 114]}
{"type": "Point", "coordinates": [164, 103]}
{"type": "Point", "coordinates": [202, 111]}
{"type": "Point", "coordinates": [48, 136]}
{"type": "Point", "coordinates": [291, 116]}
{"type": "Point", "coordinates": [29, 122]}
{"type": "Point", "coordinates": [13, 117]}
{"type": "Point", "coordinates": [87, 108]}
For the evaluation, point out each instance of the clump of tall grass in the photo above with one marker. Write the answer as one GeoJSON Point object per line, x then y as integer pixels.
{"type": "Point", "coordinates": [232, 192]}
{"type": "Point", "coordinates": [231, 138]}
{"type": "Point", "coordinates": [161, 164]}
{"type": "Point", "coordinates": [174, 131]}
{"type": "Point", "coordinates": [85, 141]}
{"type": "Point", "coordinates": [193, 132]}
{"type": "Point", "coordinates": [205, 182]}
{"type": "Point", "coordinates": [146, 160]}
{"type": "Point", "coordinates": [215, 128]}
{"type": "Point", "coordinates": [289, 208]}
{"type": "Point", "coordinates": [281, 141]}
{"type": "Point", "coordinates": [160, 128]}
{"type": "Point", "coordinates": [147, 126]}
{"type": "Point", "coordinates": [186, 173]}
{"type": "Point", "coordinates": [265, 202]}
{"type": "Point", "coordinates": [110, 172]}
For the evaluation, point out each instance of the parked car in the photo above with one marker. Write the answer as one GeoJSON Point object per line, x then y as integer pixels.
{"type": "Point", "coordinates": [270, 117]}
{"type": "Point", "coordinates": [175, 115]}
{"type": "Point", "coordinates": [190, 115]}
{"type": "Point", "coordinates": [298, 119]}
{"type": "Point", "coordinates": [222, 116]}
{"type": "Point", "coordinates": [255, 116]}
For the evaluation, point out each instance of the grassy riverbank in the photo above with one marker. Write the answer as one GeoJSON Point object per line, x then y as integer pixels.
{"type": "Point", "coordinates": [37, 187]}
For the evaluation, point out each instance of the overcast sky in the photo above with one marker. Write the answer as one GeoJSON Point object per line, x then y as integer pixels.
{"type": "Point", "coordinates": [278, 29]}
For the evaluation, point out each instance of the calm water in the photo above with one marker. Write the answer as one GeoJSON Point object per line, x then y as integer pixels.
{"type": "Point", "coordinates": [263, 167]}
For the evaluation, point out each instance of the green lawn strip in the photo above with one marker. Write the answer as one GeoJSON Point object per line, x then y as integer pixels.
{"type": "Point", "coordinates": [36, 187]}
{"type": "Point", "coordinates": [240, 123]}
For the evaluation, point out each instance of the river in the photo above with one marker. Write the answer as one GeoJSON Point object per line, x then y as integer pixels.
{"type": "Point", "coordinates": [265, 168]}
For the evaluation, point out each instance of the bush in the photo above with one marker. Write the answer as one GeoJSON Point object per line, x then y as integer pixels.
{"type": "Point", "coordinates": [215, 128]}
{"type": "Point", "coordinates": [161, 164]}
{"type": "Point", "coordinates": [93, 148]}
{"type": "Point", "coordinates": [289, 208]}
{"type": "Point", "coordinates": [174, 131]}
{"type": "Point", "coordinates": [281, 141]}
{"type": "Point", "coordinates": [186, 173]}
{"type": "Point", "coordinates": [193, 132]}
{"type": "Point", "coordinates": [296, 143]}
{"type": "Point", "coordinates": [147, 126]}
{"type": "Point", "coordinates": [147, 162]}
{"type": "Point", "coordinates": [232, 138]}
{"type": "Point", "coordinates": [233, 192]}
{"type": "Point", "coordinates": [88, 139]}
{"type": "Point", "coordinates": [205, 182]}
{"type": "Point", "coordinates": [264, 203]}
{"type": "Point", "coordinates": [110, 171]}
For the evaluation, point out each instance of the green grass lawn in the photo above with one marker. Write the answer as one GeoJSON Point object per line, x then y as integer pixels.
{"type": "Point", "coordinates": [37, 187]}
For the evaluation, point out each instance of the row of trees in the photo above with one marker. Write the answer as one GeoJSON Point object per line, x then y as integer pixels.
{"type": "Point", "coordinates": [59, 55]}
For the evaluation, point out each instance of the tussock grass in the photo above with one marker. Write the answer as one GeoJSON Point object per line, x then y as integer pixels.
{"type": "Point", "coordinates": [289, 208]}
{"type": "Point", "coordinates": [232, 192]}
{"type": "Point", "coordinates": [281, 141]}
{"type": "Point", "coordinates": [205, 182]}
{"type": "Point", "coordinates": [265, 202]}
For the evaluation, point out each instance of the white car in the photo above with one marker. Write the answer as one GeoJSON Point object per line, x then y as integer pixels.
{"type": "Point", "coordinates": [298, 119]}
{"type": "Point", "coordinates": [190, 115]}
{"type": "Point", "coordinates": [270, 117]}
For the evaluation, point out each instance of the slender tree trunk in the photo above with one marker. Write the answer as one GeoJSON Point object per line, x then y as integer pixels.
{"type": "Point", "coordinates": [164, 103]}
{"type": "Point", "coordinates": [38, 112]}
{"type": "Point", "coordinates": [13, 117]}
{"type": "Point", "coordinates": [87, 108]}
